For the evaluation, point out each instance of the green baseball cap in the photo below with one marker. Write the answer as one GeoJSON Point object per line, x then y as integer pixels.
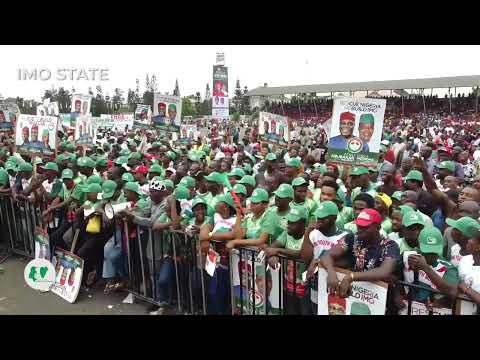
{"type": "Point", "coordinates": [172, 155]}
{"type": "Point", "coordinates": [135, 155]}
{"type": "Point", "coordinates": [405, 209]}
{"type": "Point", "coordinates": [411, 218]}
{"type": "Point", "coordinates": [240, 189]}
{"type": "Point", "coordinates": [271, 157]}
{"type": "Point", "coordinates": [237, 172]}
{"type": "Point", "coordinates": [341, 196]}
{"type": "Point", "coordinates": [92, 188]}
{"type": "Point", "coordinates": [468, 226]}
{"type": "Point", "coordinates": [449, 165]}
{"type": "Point", "coordinates": [194, 157]}
{"type": "Point", "coordinates": [397, 195]}
{"type": "Point", "coordinates": [299, 181]}
{"type": "Point", "coordinates": [248, 179]}
{"type": "Point", "coordinates": [10, 166]}
{"type": "Point", "coordinates": [168, 183]}
{"type": "Point", "coordinates": [227, 199]}
{"type": "Point", "coordinates": [197, 201]}
{"type": "Point", "coordinates": [359, 170]}
{"type": "Point", "coordinates": [297, 214]}
{"type": "Point", "coordinates": [259, 195]}
{"type": "Point", "coordinates": [284, 191]}
{"type": "Point", "coordinates": [430, 241]}
{"type": "Point", "coordinates": [101, 162]}
{"type": "Point", "coordinates": [94, 179]}
{"type": "Point", "coordinates": [132, 186]}
{"type": "Point", "coordinates": [294, 163]}
{"type": "Point", "coordinates": [181, 193]}
{"type": "Point", "coordinates": [14, 159]}
{"type": "Point", "coordinates": [156, 144]}
{"type": "Point", "coordinates": [121, 160]}
{"type": "Point", "coordinates": [247, 168]}
{"type": "Point", "coordinates": [25, 166]}
{"type": "Point", "coordinates": [108, 189]}
{"type": "Point", "coordinates": [155, 168]}
{"type": "Point", "coordinates": [125, 152]}
{"type": "Point", "coordinates": [321, 168]}
{"type": "Point", "coordinates": [188, 181]}
{"type": "Point", "coordinates": [85, 161]}
{"type": "Point", "coordinates": [63, 157]}
{"type": "Point", "coordinates": [215, 177]}
{"type": "Point", "coordinates": [366, 119]}
{"type": "Point", "coordinates": [67, 174]}
{"type": "Point", "coordinates": [326, 208]}
{"type": "Point", "coordinates": [50, 166]}
{"type": "Point", "coordinates": [128, 177]}
{"type": "Point", "coordinates": [414, 175]}
{"type": "Point", "coordinates": [3, 177]}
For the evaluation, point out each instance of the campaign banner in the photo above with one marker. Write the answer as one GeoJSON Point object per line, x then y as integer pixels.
{"type": "Point", "coordinates": [220, 102]}
{"type": "Point", "coordinates": [66, 121]}
{"type": "Point", "coordinates": [418, 308]}
{"type": "Point", "coordinates": [48, 108]}
{"type": "Point", "coordinates": [8, 116]}
{"type": "Point", "coordinates": [28, 130]}
{"type": "Point", "coordinates": [356, 131]}
{"type": "Point", "coordinates": [248, 292]}
{"type": "Point", "coordinates": [220, 114]}
{"type": "Point", "coordinates": [188, 133]}
{"type": "Point", "coordinates": [274, 128]}
{"type": "Point", "coordinates": [143, 116]}
{"type": "Point", "coordinates": [81, 104]}
{"type": "Point", "coordinates": [167, 112]}
{"type": "Point", "coordinates": [116, 122]}
{"type": "Point", "coordinates": [68, 271]}
{"type": "Point", "coordinates": [367, 298]}
{"type": "Point", "coordinates": [85, 130]}
{"type": "Point", "coordinates": [42, 244]}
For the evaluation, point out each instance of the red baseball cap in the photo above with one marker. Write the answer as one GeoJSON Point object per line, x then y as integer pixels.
{"type": "Point", "coordinates": [142, 169]}
{"type": "Point", "coordinates": [148, 156]}
{"type": "Point", "coordinates": [368, 217]}
{"type": "Point", "coordinates": [347, 116]}
{"type": "Point", "coordinates": [109, 163]}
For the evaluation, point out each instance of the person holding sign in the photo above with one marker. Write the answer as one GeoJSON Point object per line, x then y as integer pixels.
{"type": "Point", "coordinates": [347, 124]}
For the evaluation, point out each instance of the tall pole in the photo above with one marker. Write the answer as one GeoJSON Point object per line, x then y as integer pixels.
{"type": "Point", "coordinates": [315, 105]}
{"type": "Point", "coordinates": [476, 102]}
{"type": "Point", "coordinates": [423, 98]}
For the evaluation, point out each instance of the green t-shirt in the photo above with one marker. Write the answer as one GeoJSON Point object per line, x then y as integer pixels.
{"type": "Point", "coordinates": [256, 227]}
{"type": "Point", "coordinates": [387, 225]}
{"type": "Point", "coordinates": [78, 194]}
{"type": "Point", "coordinates": [346, 215]}
{"type": "Point", "coordinates": [65, 193]}
{"type": "Point", "coordinates": [308, 204]}
{"type": "Point", "coordinates": [289, 242]}
{"type": "Point", "coordinates": [279, 221]}
{"type": "Point", "coordinates": [316, 194]}
{"type": "Point", "coordinates": [80, 179]}
{"type": "Point", "coordinates": [370, 191]}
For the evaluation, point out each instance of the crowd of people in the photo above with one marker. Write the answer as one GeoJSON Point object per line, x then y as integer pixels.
{"type": "Point", "coordinates": [413, 217]}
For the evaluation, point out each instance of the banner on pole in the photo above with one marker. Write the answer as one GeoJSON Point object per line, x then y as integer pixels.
{"type": "Point", "coordinates": [143, 116]}
{"type": "Point", "coordinates": [356, 131]}
{"type": "Point", "coordinates": [367, 298]}
{"type": "Point", "coordinates": [274, 128]}
{"type": "Point", "coordinates": [85, 130]}
{"type": "Point", "coordinates": [220, 101]}
{"type": "Point", "coordinates": [167, 111]}
{"type": "Point", "coordinates": [81, 104]}
{"type": "Point", "coordinates": [28, 130]}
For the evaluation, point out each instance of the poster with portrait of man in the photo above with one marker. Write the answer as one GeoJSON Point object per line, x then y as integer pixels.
{"type": "Point", "coordinates": [274, 128]}
{"type": "Point", "coordinates": [167, 112]}
{"type": "Point", "coordinates": [85, 130]}
{"type": "Point", "coordinates": [36, 135]}
{"type": "Point", "coordinates": [188, 133]}
{"type": "Point", "coordinates": [8, 116]}
{"type": "Point", "coordinates": [143, 116]}
{"type": "Point", "coordinates": [356, 131]}
{"type": "Point", "coordinates": [81, 104]}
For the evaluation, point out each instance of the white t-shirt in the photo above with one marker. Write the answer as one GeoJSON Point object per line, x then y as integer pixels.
{"type": "Point", "coordinates": [469, 273]}
{"type": "Point", "coordinates": [455, 256]}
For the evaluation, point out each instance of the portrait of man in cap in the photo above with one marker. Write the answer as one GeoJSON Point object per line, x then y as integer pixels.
{"type": "Point", "coordinates": [78, 105]}
{"type": "Point", "coordinates": [346, 125]}
{"type": "Point", "coordinates": [172, 114]}
{"type": "Point", "coordinates": [35, 143]}
{"type": "Point", "coordinates": [365, 128]}
{"type": "Point", "coordinates": [45, 139]}
{"type": "Point", "coordinates": [26, 135]}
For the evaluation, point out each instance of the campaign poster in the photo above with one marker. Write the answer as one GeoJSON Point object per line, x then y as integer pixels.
{"type": "Point", "coordinates": [188, 133]}
{"type": "Point", "coordinates": [167, 112]}
{"type": "Point", "coordinates": [120, 122]}
{"type": "Point", "coordinates": [36, 135]}
{"type": "Point", "coordinates": [85, 130]}
{"type": "Point", "coordinates": [356, 131]}
{"type": "Point", "coordinates": [68, 271]}
{"type": "Point", "coordinates": [220, 101]}
{"type": "Point", "coordinates": [42, 244]}
{"type": "Point", "coordinates": [143, 116]}
{"type": "Point", "coordinates": [219, 114]}
{"type": "Point", "coordinates": [248, 284]}
{"type": "Point", "coordinates": [418, 308]}
{"type": "Point", "coordinates": [274, 128]}
{"type": "Point", "coordinates": [368, 298]}
{"type": "Point", "coordinates": [66, 121]}
{"type": "Point", "coordinates": [8, 116]}
{"type": "Point", "coordinates": [81, 104]}
{"type": "Point", "coordinates": [276, 293]}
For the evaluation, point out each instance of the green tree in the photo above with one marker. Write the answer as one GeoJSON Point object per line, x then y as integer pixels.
{"type": "Point", "coordinates": [187, 108]}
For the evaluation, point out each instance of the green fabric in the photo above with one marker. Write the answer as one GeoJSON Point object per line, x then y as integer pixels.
{"type": "Point", "coordinates": [387, 225]}
{"type": "Point", "coordinates": [56, 189]}
{"type": "Point", "coordinates": [345, 216]}
{"type": "Point", "coordinates": [256, 227]}
{"type": "Point", "coordinates": [370, 191]}
{"type": "Point", "coordinates": [279, 220]}
{"type": "Point", "coordinates": [65, 193]}
{"type": "Point", "coordinates": [310, 205]}
{"type": "Point", "coordinates": [78, 194]}
{"type": "Point", "coordinates": [405, 247]}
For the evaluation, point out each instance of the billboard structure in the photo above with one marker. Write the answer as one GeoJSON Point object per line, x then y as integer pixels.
{"type": "Point", "coordinates": [220, 103]}
{"type": "Point", "coordinates": [167, 112]}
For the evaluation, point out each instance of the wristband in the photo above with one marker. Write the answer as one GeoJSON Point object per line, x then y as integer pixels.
{"type": "Point", "coordinates": [352, 278]}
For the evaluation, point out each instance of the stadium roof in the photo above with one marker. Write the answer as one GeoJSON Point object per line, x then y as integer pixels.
{"type": "Point", "coordinates": [430, 83]}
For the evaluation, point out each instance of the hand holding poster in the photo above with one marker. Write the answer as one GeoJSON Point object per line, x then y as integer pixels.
{"type": "Point", "coordinates": [117, 121]}
{"type": "Point", "coordinates": [81, 104]}
{"type": "Point", "coordinates": [188, 133]}
{"type": "Point", "coordinates": [274, 128]}
{"type": "Point", "coordinates": [356, 131]}
{"type": "Point", "coordinates": [28, 130]}
{"type": "Point", "coordinates": [167, 111]}
{"type": "Point", "coordinates": [85, 131]}
{"type": "Point", "coordinates": [367, 298]}
{"type": "Point", "coordinates": [69, 271]}
{"type": "Point", "coordinates": [8, 116]}
{"type": "Point", "coordinates": [143, 116]}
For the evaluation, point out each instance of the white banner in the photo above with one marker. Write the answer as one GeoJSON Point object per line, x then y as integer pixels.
{"type": "Point", "coordinates": [118, 121]}
{"type": "Point", "coordinates": [273, 128]}
{"type": "Point", "coordinates": [36, 135]}
{"type": "Point", "coordinates": [81, 104]}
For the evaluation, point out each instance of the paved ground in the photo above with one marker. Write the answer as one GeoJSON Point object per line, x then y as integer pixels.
{"type": "Point", "coordinates": [16, 298]}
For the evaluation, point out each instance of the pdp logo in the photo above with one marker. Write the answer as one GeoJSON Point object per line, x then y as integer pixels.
{"type": "Point", "coordinates": [355, 145]}
{"type": "Point", "coordinates": [39, 274]}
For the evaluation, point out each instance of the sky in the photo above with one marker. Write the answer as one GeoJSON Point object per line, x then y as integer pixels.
{"type": "Point", "coordinates": [253, 65]}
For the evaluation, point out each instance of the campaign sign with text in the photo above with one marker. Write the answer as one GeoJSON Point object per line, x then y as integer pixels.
{"type": "Point", "coordinates": [85, 130]}
{"type": "Point", "coordinates": [356, 131]}
{"type": "Point", "coordinates": [68, 274]}
{"type": "Point", "coordinates": [118, 121]}
{"type": "Point", "coordinates": [274, 128]}
{"type": "Point", "coordinates": [36, 135]}
{"type": "Point", "coordinates": [81, 104]}
{"type": "Point", "coordinates": [368, 298]}
{"type": "Point", "coordinates": [143, 116]}
{"type": "Point", "coordinates": [8, 116]}
{"type": "Point", "coordinates": [188, 133]}
{"type": "Point", "coordinates": [167, 112]}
